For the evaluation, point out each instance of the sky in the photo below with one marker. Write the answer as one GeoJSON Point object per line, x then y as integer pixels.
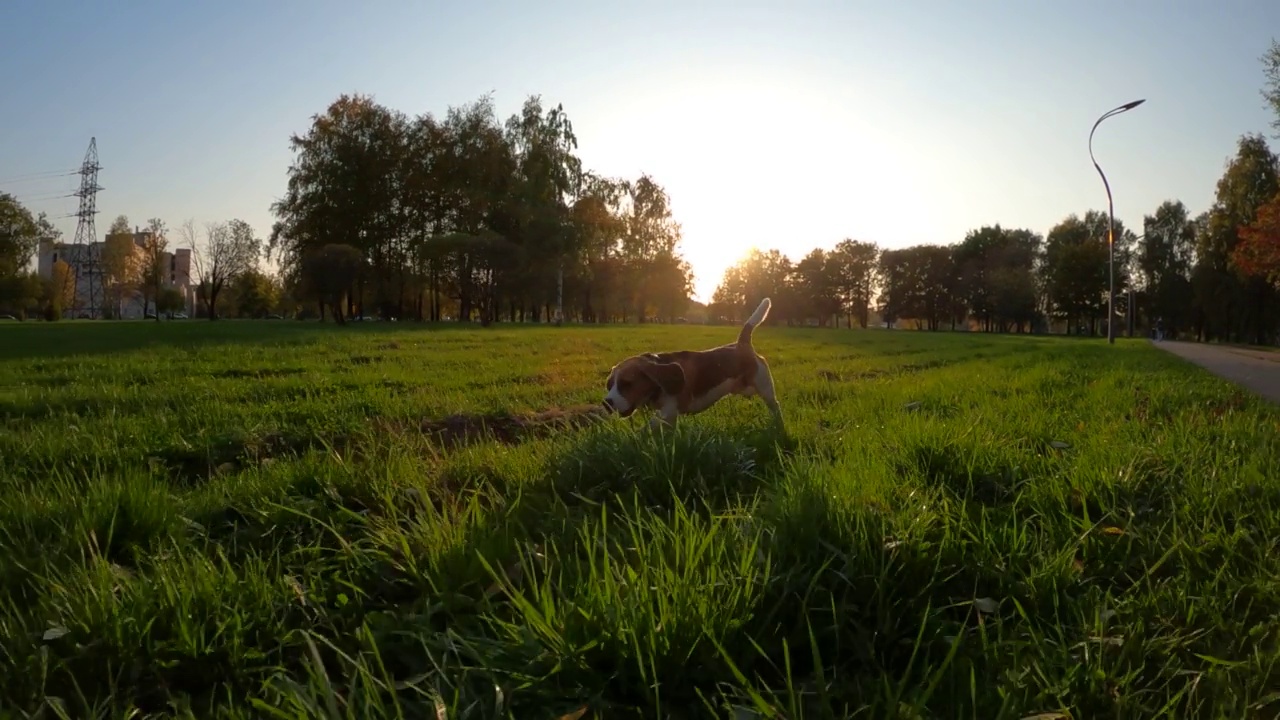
{"type": "Point", "coordinates": [771, 125]}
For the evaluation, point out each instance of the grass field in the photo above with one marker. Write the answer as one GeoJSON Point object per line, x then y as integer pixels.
{"type": "Point", "coordinates": [263, 520]}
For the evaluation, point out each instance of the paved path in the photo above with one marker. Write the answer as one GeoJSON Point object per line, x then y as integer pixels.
{"type": "Point", "coordinates": [1256, 370]}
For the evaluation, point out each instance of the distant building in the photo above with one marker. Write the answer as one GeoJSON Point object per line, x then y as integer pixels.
{"type": "Point", "coordinates": [130, 303]}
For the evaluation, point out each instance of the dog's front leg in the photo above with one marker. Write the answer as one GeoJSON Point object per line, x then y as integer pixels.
{"type": "Point", "coordinates": [666, 416]}
{"type": "Point", "coordinates": [662, 421]}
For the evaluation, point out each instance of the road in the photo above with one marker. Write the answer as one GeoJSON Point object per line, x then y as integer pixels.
{"type": "Point", "coordinates": [1256, 370]}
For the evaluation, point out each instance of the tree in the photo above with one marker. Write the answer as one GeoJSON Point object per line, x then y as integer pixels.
{"type": "Point", "coordinates": [1015, 298]}
{"type": "Point", "coordinates": [668, 283]}
{"type": "Point", "coordinates": [936, 292]}
{"type": "Point", "coordinates": [650, 240]}
{"type": "Point", "coordinates": [20, 235]}
{"type": "Point", "coordinates": [1271, 86]}
{"type": "Point", "coordinates": [1076, 268]}
{"type": "Point", "coordinates": [917, 283]}
{"type": "Point", "coordinates": [170, 301]}
{"type": "Point", "coordinates": [988, 263]}
{"type": "Point", "coordinates": [121, 265]}
{"type": "Point", "coordinates": [154, 245]}
{"type": "Point", "coordinates": [1234, 307]}
{"type": "Point", "coordinates": [479, 179]}
{"type": "Point", "coordinates": [345, 187]}
{"type": "Point", "coordinates": [755, 277]}
{"type": "Point", "coordinates": [596, 220]}
{"type": "Point", "coordinates": [818, 288]}
{"type": "Point", "coordinates": [59, 291]}
{"type": "Point", "coordinates": [288, 296]}
{"type": "Point", "coordinates": [547, 175]}
{"type": "Point", "coordinates": [854, 267]}
{"type": "Point", "coordinates": [329, 274]}
{"type": "Point", "coordinates": [18, 292]}
{"type": "Point", "coordinates": [893, 273]}
{"type": "Point", "coordinates": [404, 191]}
{"type": "Point", "coordinates": [1165, 257]}
{"type": "Point", "coordinates": [1258, 252]}
{"type": "Point", "coordinates": [230, 250]}
{"type": "Point", "coordinates": [255, 294]}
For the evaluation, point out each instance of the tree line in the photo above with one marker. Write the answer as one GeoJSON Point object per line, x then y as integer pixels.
{"type": "Point", "coordinates": [1213, 276]}
{"type": "Point", "coordinates": [432, 249]}
{"type": "Point", "coordinates": [461, 217]}
{"type": "Point", "coordinates": [470, 218]}
{"type": "Point", "coordinates": [21, 233]}
{"type": "Point", "coordinates": [132, 269]}
{"type": "Point", "coordinates": [467, 217]}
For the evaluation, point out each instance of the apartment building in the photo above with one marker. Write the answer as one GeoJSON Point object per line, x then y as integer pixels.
{"type": "Point", "coordinates": [125, 301]}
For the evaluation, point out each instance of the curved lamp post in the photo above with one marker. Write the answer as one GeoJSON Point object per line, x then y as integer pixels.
{"type": "Point", "coordinates": [1111, 223]}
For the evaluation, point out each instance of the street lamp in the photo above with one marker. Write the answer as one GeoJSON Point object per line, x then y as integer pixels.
{"type": "Point", "coordinates": [1111, 222]}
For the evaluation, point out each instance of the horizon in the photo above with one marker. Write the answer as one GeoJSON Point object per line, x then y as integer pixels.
{"type": "Point", "coordinates": [898, 120]}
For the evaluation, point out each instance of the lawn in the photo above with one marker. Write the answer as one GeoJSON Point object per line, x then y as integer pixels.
{"type": "Point", "coordinates": [273, 520]}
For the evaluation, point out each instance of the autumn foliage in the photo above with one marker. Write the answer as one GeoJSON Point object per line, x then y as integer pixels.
{"type": "Point", "coordinates": [1258, 252]}
{"type": "Point", "coordinates": [60, 290]}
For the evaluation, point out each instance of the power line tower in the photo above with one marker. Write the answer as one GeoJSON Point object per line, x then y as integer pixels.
{"type": "Point", "coordinates": [86, 263]}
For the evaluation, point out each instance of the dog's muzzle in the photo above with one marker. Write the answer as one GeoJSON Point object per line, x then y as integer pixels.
{"type": "Point", "coordinates": [609, 406]}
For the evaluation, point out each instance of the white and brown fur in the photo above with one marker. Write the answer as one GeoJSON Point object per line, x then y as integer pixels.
{"type": "Point", "coordinates": [686, 382]}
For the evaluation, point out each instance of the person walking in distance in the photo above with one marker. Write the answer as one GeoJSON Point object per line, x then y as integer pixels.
{"type": "Point", "coordinates": [1159, 329]}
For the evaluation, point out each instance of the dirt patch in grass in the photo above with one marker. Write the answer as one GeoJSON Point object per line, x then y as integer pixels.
{"type": "Point", "coordinates": [1236, 402]}
{"type": "Point", "coordinates": [509, 429]}
{"type": "Point", "coordinates": [850, 376]}
{"type": "Point", "coordinates": [256, 373]}
{"type": "Point", "coordinates": [910, 368]}
{"type": "Point", "coordinates": [191, 464]}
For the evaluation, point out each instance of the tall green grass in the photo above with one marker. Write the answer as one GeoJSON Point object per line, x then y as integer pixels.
{"type": "Point", "coordinates": [247, 520]}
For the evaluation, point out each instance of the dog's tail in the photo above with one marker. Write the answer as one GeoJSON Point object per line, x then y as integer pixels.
{"type": "Point", "coordinates": [757, 317]}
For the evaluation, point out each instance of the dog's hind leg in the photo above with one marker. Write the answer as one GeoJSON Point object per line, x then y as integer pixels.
{"type": "Point", "coordinates": [764, 388]}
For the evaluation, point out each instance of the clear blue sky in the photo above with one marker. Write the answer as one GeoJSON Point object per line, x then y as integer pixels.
{"type": "Point", "coordinates": [771, 125]}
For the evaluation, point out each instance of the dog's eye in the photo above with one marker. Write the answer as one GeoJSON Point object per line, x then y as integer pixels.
{"type": "Point", "coordinates": [624, 384]}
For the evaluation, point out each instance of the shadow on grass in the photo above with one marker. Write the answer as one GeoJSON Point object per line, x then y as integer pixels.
{"type": "Point", "coordinates": [628, 572]}
{"type": "Point", "coordinates": [34, 339]}
{"type": "Point", "coordinates": [209, 604]}
{"type": "Point", "coordinates": [614, 569]}
{"type": "Point", "coordinates": [967, 478]}
{"type": "Point", "coordinates": [31, 340]}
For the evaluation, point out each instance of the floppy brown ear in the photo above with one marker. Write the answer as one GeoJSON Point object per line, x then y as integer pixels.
{"type": "Point", "coordinates": [668, 375]}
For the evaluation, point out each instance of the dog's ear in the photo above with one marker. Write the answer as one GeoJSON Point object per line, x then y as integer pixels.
{"type": "Point", "coordinates": [668, 375]}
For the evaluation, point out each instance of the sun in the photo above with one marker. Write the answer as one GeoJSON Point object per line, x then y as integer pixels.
{"type": "Point", "coordinates": [771, 159]}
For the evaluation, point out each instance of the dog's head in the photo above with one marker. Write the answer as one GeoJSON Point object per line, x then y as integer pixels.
{"type": "Point", "coordinates": [639, 381]}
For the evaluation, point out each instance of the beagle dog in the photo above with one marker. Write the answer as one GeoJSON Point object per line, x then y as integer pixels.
{"type": "Point", "coordinates": [686, 382]}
